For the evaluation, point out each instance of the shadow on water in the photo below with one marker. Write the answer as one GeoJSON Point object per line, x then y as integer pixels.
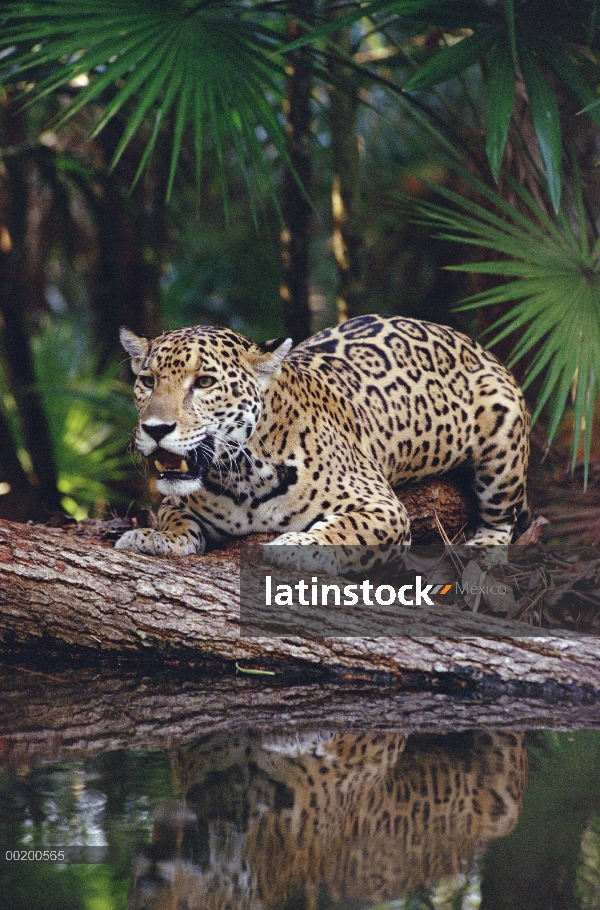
{"type": "Point", "coordinates": [474, 819]}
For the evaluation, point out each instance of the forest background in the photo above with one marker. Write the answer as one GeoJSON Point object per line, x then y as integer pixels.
{"type": "Point", "coordinates": [277, 166]}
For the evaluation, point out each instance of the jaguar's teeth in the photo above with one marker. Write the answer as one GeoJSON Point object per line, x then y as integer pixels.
{"type": "Point", "coordinates": [183, 467]}
{"type": "Point", "coordinates": [159, 467]}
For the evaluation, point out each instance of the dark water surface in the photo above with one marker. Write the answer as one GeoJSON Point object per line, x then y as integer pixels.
{"type": "Point", "coordinates": [236, 793]}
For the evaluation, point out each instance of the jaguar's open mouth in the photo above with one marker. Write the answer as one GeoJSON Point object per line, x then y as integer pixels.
{"type": "Point", "coordinates": [193, 466]}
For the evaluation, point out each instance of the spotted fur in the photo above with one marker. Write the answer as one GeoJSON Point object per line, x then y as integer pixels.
{"type": "Point", "coordinates": [312, 443]}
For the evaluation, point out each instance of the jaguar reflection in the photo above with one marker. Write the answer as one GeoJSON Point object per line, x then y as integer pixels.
{"type": "Point", "coordinates": [332, 820]}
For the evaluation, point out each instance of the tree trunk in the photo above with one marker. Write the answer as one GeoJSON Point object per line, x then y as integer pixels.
{"type": "Point", "coordinates": [131, 237]}
{"type": "Point", "coordinates": [20, 501]}
{"type": "Point", "coordinates": [296, 209]}
{"type": "Point", "coordinates": [345, 190]}
{"type": "Point", "coordinates": [45, 497]}
{"type": "Point", "coordinates": [62, 593]}
{"type": "Point", "coordinates": [27, 219]}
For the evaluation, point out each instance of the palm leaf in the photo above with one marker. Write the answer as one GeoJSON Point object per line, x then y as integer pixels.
{"type": "Point", "coordinates": [520, 37]}
{"type": "Point", "coordinates": [546, 120]}
{"type": "Point", "coordinates": [500, 93]}
{"type": "Point", "coordinates": [553, 290]}
{"type": "Point", "coordinates": [451, 61]}
{"type": "Point", "coordinates": [182, 64]}
{"type": "Point", "coordinates": [509, 12]}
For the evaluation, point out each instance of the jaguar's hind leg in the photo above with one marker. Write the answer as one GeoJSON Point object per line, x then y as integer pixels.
{"type": "Point", "coordinates": [500, 486]}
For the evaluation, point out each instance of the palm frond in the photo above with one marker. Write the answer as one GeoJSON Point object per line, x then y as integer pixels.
{"type": "Point", "coordinates": [552, 288]}
{"type": "Point", "coordinates": [510, 38]}
{"type": "Point", "coordinates": [183, 64]}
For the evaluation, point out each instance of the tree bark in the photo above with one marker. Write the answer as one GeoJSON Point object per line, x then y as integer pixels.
{"type": "Point", "coordinates": [27, 230]}
{"type": "Point", "coordinates": [61, 593]}
{"type": "Point", "coordinates": [348, 234]}
{"type": "Point", "coordinates": [131, 235]}
{"type": "Point", "coordinates": [295, 206]}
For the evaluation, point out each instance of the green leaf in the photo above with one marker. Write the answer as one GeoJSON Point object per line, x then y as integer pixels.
{"type": "Point", "coordinates": [503, 293]}
{"type": "Point", "coordinates": [198, 115]}
{"type": "Point", "coordinates": [509, 13]}
{"type": "Point", "coordinates": [184, 109]}
{"type": "Point", "coordinates": [556, 59]}
{"type": "Point", "coordinates": [143, 74]}
{"type": "Point", "coordinates": [546, 120]}
{"type": "Point", "coordinates": [593, 21]}
{"type": "Point", "coordinates": [499, 98]}
{"type": "Point", "coordinates": [452, 61]}
{"type": "Point", "coordinates": [512, 224]}
{"type": "Point", "coordinates": [154, 84]}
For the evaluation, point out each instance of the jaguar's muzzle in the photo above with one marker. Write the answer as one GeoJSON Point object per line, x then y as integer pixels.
{"type": "Point", "coordinates": [193, 466]}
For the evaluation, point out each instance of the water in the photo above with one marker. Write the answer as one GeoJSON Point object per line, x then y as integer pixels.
{"type": "Point", "coordinates": [203, 809]}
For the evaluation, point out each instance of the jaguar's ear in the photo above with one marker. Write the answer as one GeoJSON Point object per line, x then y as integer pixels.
{"type": "Point", "coordinates": [267, 347]}
{"type": "Point", "coordinates": [274, 353]}
{"type": "Point", "coordinates": [136, 347]}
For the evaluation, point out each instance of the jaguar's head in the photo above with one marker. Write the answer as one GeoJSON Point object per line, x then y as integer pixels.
{"type": "Point", "coordinates": [199, 392]}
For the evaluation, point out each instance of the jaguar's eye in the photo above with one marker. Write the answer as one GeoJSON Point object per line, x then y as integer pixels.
{"type": "Point", "coordinates": [204, 382]}
{"type": "Point", "coordinates": [147, 381]}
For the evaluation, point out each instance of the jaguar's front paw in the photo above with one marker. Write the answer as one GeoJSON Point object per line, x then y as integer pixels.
{"type": "Point", "coordinates": [157, 543]}
{"type": "Point", "coordinates": [299, 553]}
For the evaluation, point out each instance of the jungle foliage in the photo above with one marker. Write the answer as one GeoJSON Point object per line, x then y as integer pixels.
{"type": "Point", "coordinates": [148, 154]}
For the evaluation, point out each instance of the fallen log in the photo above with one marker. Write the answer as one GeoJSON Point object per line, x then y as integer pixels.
{"type": "Point", "coordinates": [58, 590]}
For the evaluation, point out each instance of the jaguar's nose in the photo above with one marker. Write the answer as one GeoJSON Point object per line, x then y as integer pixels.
{"type": "Point", "coordinates": [158, 430]}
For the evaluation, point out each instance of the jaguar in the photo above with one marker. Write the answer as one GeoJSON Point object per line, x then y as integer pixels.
{"type": "Point", "coordinates": [312, 443]}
